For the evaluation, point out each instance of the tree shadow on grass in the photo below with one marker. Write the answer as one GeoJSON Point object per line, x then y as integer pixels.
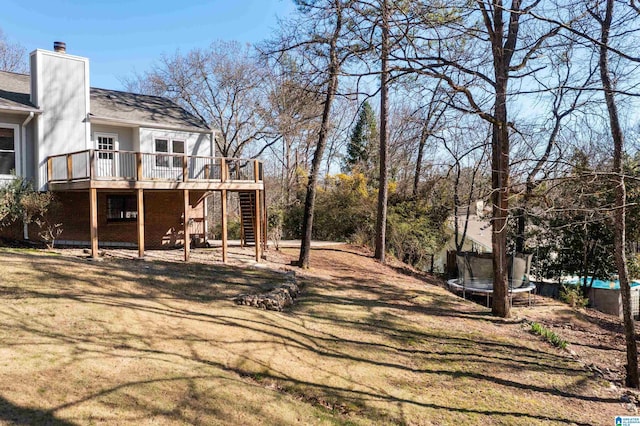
{"type": "Point", "coordinates": [362, 397]}
{"type": "Point", "coordinates": [155, 279]}
{"type": "Point", "coordinates": [426, 352]}
{"type": "Point", "coordinates": [18, 415]}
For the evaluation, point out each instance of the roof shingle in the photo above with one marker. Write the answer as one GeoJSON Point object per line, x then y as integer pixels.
{"type": "Point", "coordinates": [14, 91]}
{"type": "Point", "coordinates": [144, 110]}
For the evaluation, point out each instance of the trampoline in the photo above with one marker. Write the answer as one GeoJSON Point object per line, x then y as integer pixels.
{"type": "Point", "coordinates": [485, 287]}
{"type": "Point", "coordinates": [475, 275]}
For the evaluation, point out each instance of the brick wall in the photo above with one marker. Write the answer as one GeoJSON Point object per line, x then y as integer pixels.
{"type": "Point", "coordinates": [163, 219]}
{"type": "Point", "coordinates": [12, 232]}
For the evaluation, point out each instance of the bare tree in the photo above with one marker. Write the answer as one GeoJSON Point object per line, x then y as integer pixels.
{"type": "Point", "coordinates": [468, 150]}
{"type": "Point", "coordinates": [605, 19]}
{"type": "Point", "coordinates": [431, 116]}
{"type": "Point", "coordinates": [224, 85]}
{"type": "Point", "coordinates": [334, 62]}
{"type": "Point", "coordinates": [12, 56]}
{"type": "Point", "coordinates": [605, 39]}
{"type": "Point", "coordinates": [455, 53]}
{"type": "Point", "coordinates": [317, 38]}
{"type": "Point", "coordinates": [381, 221]}
{"type": "Point", "coordinates": [294, 115]}
{"type": "Point", "coordinates": [343, 116]}
{"type": "Point", "coordinates": [567, 89]}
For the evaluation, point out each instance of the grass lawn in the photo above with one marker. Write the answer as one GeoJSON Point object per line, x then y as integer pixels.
{"type": "Point", "coordinates": [159, 342]}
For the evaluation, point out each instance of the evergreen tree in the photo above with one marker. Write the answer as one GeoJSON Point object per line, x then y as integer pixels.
{"type": "Point", "coordinates": [364, 138]}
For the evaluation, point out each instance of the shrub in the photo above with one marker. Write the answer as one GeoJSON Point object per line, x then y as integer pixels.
{"type": "Point", "coordinates": [414, 231]}
{"type": "Point", "coordinates": [275, 220]}
{"type": "Point", "coordinates": [233, 230]}
{"type": "Point", "coordinates": [344, 207]}
{"type": "Point", "coordinates": [633, 265]}
{"type": "Point", "coordinates": [11, 194]}
{"type": "Point", "coordinates": [292, 221]}
{"type": "Point", "coordinates": [20, 201]}
{"type": "Point", "coordinates": [573, 296]}
{"type": "Point", "coordinates": [39, 208]}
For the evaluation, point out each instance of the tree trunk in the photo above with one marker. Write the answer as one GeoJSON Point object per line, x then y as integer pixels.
{"type": "Point", "coordinates": [381, 223]}
{"type": "Point", "coordinates": [287, 178]}
{"type": "Point", "coordinates": [521, 218]}
{"type": "Point", "coordinates": [424, 134]}
{"type": "Point", "coordinates": [502, 53]}
{"type": "Point", "coordinates": [332, 86]}
{"type": "Point", "coordinates": [500, 179]}
{"type": "Point", "coordinates": [632, 379]}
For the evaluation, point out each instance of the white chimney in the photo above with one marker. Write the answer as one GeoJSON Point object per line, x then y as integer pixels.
{"type": "Point", "coordinates": [60, 87]}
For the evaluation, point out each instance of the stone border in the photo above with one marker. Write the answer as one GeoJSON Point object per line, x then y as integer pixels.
{"type": "Point", "coordinates": [277, 299]}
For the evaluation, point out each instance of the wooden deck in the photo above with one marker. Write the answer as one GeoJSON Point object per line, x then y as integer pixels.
{"type": "Point", "coordinates": [99, 169]}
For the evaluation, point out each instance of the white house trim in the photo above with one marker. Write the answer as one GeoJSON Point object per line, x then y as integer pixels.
{"type": "Point", "coordinates": [132, 123]}
{"type": "Point", "coordinates": [17, 148]}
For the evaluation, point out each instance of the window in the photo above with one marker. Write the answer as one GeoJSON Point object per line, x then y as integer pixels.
{"type": "Point", "coordinates": [162, 145]}
{"type": "Point", "coordinates": [106, 143]}
{"type": "Point", "coordinates": [7, 150]}
{"type": "Point", "coordinates": [175, 147]}
{"type": "Point", "coordinates": [121, 208]}
{"type": "Point", "coordinates": [178, 148]}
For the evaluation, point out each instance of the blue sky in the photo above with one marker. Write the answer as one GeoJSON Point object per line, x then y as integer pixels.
{"type": "Point", "coordinates": [123, 36]}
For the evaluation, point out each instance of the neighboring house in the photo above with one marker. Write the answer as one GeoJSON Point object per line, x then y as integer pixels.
{"type": "Point", "coordinates": [477, 238]}
{"type": "Point", "coordinates": [129, 169]}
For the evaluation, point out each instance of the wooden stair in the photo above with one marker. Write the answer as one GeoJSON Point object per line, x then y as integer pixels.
{"type": "Point", "coordinates": [247, 213]}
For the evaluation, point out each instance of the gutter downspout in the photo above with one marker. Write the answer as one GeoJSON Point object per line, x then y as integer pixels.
{"type": "Point", "coordinates": [23, 160]}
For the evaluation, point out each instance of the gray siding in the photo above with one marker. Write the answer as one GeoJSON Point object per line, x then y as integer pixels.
{"type": "Point", "coordinates": [125, 135]}
{"type": "Point", "coordinates": [196, 143]}
{"type": "Point", "coordinates": [61, 90]}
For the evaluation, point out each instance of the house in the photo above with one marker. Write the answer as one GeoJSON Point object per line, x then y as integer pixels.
{"type": "Point", "coordinates": [128, 169]}
{"type": "Point", "coordinates": [477, 236]}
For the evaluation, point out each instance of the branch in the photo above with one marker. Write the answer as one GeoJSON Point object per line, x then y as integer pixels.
{"type": "Point", "coordinates": [592, 40]}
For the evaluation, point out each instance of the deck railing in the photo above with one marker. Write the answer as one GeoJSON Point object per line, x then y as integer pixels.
{"type": "Point", "coordinates": [97, 164]}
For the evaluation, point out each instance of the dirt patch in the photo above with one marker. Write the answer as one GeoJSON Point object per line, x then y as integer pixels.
{"type": "Point", "coordinates": [596, 339]}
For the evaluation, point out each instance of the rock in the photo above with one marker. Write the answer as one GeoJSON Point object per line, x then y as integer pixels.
{"type": "Point", "coordinates": [88, 251]}
{"type": "Point", "coordinates": [274, 300]}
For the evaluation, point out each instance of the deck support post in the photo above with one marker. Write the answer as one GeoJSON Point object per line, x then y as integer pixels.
{"type": "Point", "coordinates": [257, 220]}
{"type": "Point", "coordinates": [92, 164]}
{"type": "Point", "coordinates": [93, 215]}
{"type": "Point", "coordinates": [185, 168]}
{"type": "Point", "coordinates": [187, 238]}
{"type": "Point", "coordinates": [223, 205]}
{"type": "Point", "coordinates": [139, 175]}
{"type": "Point", "coordinates": [140, 198]}
{"type": "Point", "coordinates": [49, 170]}
{"type": "Point", "coordinates": [69, 167]}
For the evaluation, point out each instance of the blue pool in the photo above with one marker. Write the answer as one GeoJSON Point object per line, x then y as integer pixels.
{"type": "Point", "coordinates": [609, 284]}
